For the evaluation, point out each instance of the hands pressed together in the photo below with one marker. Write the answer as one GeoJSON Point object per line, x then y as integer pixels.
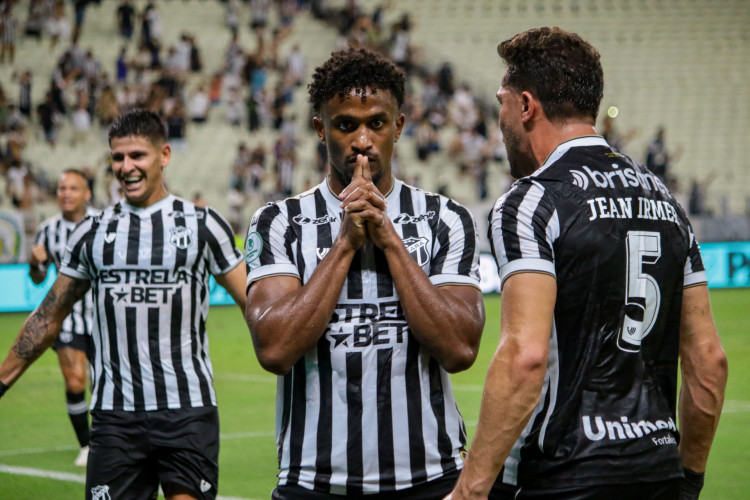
{"type": "Point", "coordinates": [365, 211]}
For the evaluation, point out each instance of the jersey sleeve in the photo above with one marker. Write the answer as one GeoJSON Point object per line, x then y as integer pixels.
{"type": "Point", "coordinates": [523, 229]}
{"type": "Point", "coordinates": [76, 262]}
{"type": "Point", "coordinates": [695, 273]}
{"type": "Point", "coordinates": [456, 252]}
{"type": "Point", "coordinates": [266, 249]}
{"type": "Point", "coordinates": [223, 255]}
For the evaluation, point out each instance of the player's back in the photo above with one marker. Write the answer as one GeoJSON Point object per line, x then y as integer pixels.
{"type": "Point", "coordinates": [621, 248]}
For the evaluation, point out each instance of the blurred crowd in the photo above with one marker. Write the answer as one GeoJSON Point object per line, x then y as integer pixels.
{"type": "Point", "coordinates": [253, 88]}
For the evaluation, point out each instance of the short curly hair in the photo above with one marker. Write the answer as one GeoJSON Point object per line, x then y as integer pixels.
{"type": "Point", "coordinates": [560, 68]}
{"type": "Point", "coordinates": [357, 69]}
{"type": "Point", "coordinates": [139, 122]}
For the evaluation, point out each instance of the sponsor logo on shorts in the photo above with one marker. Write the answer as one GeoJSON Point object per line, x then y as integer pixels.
{"type": "Point", "coordinates": [100, 493]}
{"type": "Point", "coordinates": [615, 430]}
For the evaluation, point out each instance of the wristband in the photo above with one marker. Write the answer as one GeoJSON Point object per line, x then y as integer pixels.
{"type": "Point", "coordinates": [691, 485]}
{"type": "Point", "coordinates": [3, 388]}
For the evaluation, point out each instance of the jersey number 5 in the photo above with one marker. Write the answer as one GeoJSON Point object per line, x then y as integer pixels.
{"type": "Point", "coordinates": [642, 294]}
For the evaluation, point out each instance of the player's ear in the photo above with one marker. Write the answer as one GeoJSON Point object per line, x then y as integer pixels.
{"type": "Point", "coordinates": [320, 128]}
{"type": "Point", "coordinates": [400, 119]}
{"type": "Point", "coordinates": [166, 154]}
{"type": "Point", "coordinates": [530, 106]}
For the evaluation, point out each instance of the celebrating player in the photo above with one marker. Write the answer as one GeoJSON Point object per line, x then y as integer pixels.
{"type": "Point", "coordinates": [364, 294]}
{"type": "Point", "coordinates": [147, 261]}
{"type": "Point", "coordinates": [603, 290]}
{"type": "Point", "coordinates": [73, 342]}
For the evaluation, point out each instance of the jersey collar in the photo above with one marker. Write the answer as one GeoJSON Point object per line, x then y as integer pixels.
{"type": "Point", "coordinates": [588, 140]}
{"type": "Point", "coordinates": [146, 211]}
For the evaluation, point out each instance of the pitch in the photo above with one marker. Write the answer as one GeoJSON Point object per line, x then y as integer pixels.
{"type": "Point", "coordinates": [37, 444]}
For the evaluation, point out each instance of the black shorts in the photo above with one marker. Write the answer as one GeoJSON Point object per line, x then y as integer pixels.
{"type": "Point", "coordinates": [436, 489]}
{"type": "Point", "coordinates": [663, 490]}
{"type": "Point", "coordinates": [131, 453]}
{"type": "Point", "coordinates": [77, 341]}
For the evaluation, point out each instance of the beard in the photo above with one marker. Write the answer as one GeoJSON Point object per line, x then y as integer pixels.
{"type": "Point", "coordinates": [521, 163]}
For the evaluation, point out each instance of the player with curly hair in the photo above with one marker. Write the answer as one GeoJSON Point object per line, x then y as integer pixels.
{"type": "Point", "coordinates": [364, 295]}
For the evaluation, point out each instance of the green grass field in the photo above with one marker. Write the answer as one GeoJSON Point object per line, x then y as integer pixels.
{"type": "Point", "coordinates": [36, 438]}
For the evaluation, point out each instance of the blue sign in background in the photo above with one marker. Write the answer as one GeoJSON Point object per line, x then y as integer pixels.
{"type": "Point", "coordinates": [727, 266]}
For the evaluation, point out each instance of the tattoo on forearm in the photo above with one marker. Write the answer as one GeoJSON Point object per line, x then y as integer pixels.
{"type": "Point", "coordinates": [43, 325]}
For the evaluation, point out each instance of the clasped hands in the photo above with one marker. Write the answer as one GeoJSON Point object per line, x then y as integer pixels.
{"type": "Point", "coordinates": [365, 210]}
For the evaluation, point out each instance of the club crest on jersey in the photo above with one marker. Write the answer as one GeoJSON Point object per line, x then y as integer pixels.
{"type": "Point", "coordinates": [253, 247]}
{"type": "Point", "coordinates": [181, 237]}
{"type": "Point", "coordinates": [413, 219]}
{"type": "Point", "coordinates": [417, 247]}
{"type": "Point", "coordinates": [100, 493]}
{"type": "Point", "coordinates": [302, 219]}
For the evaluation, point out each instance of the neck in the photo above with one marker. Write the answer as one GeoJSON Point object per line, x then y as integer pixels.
{"type": "Point", "coordinates": [75, 216]}
{"type": "Point", "coordinates": [547, 135]}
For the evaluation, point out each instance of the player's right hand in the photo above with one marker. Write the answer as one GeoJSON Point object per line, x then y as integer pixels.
{"type": "Point", "coordinates": [38, 255]}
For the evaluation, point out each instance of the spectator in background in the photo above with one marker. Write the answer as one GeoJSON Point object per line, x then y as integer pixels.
{"type": "Point", "coordinates": [81, 120]}
{"type": "Point", "coordinates": [46, 111]}
{"type": "Point", "coordinates": [199, 105]}
{"type": "Point", "coordinates": [9, 27]}
{"type": "Point", "coordinates": [658, 159]}
{"type": "Point", "coordinates": [235, 112]}
{"type": "Point", "coordinates": [121, 67]}
{"type": "Point", "coordinates": [58, 27]}
{"type": "Point", "coordinates": [107, 109]}
{"type": "Point", "coordinates": [232, 16]}
{"type": "Point", "coordinates": [613, 136]}
{"type": "Point", "coordinates": [126, 19]}
{"type": "Point", "coordinates": [35, 20]}
{"type": "Point", "coordinates": [259, 15]}
{"type": "Point", "coordinates": [296, 67]}
{"type": "Point", "coordinates": [24, 94]}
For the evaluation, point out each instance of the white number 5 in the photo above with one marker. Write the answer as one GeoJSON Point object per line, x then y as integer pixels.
{"type": "Point", "coordinates": [642, 295]}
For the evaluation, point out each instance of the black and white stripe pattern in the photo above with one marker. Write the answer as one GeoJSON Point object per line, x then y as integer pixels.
{"type": "Point", "coordinates": [53, 233]}
{"type": "Point", "coordinates": [149, 271]}
{"type": "Point", "coordinates": [368, 410]}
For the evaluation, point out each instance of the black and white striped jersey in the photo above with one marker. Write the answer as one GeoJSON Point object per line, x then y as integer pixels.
{"type": "Point", "coordinates": [368, 410]}
{"type": "Point", "coordinates": [622, 250]}
{"type": "Point", "coordinates": [53, 233]}
{"type": "Point", "coordinates": [149, 270]}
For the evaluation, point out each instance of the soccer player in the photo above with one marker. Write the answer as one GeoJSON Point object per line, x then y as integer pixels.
{"type": "Point", "coordinates": [363, 295]}
{"type": "Point", "coordinates": [72, 344]}
{"type": "Point", "coordinates": [147, 261]}
{"type": "Point", "coordinates": [603, 291]}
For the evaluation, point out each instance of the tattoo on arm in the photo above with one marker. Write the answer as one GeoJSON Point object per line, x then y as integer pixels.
{"type": "Point", "coordinates": [44, 324]}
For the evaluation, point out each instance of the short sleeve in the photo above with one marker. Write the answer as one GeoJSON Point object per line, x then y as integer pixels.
{"type": "Point", "coordinates": [76, 262]}
{"type": "Point", "coordinates": [223, 255]}
{"type": "Point", "coordinates": [456, 254]}
{"type": "Point", "coordinates": [266, 249]}
{"type": "Point", "coordinates": [523, 229]}
{"type": "Point", "coordinates": [695, 273]}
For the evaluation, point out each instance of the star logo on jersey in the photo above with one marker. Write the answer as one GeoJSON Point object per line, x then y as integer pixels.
{"type": "Point", "coordinates": [100, 493]}
{"type": "Point", "coordinates": [253, 247]}
{"type": "Point", "coordinates": [340, 338]}
{"type": "Point", "coordinates": [417, 247]}
{"type": "Point", "coordinates": [110, 237]}
{"type": "Point", "coordinates": [119, 294]}
{"type": "Point", "coordinates": [181, 237]}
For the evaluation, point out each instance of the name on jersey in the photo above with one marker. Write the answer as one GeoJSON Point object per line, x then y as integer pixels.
{"type": "Point", "coordinates": [364, 324]}
{"type": "Point", "coordinates": [617, 178]}
{"type": "Point", "coordinates": [618, 430]}
{"type": "Point", "coordinates": [604, 207]}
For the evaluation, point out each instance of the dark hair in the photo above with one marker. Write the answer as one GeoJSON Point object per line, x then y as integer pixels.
{"type": "Point", "coordinates": [560, 68]}
{"type": "Point", "coordinates": [139, 122]}
{"type": "Point", "coordinates": [357, 69]}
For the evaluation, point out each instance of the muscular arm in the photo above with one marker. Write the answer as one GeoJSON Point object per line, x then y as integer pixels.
{"type": "Point", "coordinates": [286, 319]}
{"type": "Point", "coordinates": [704, 377]}
{"type": "Point", "coordinates": [234, 283]}
{"type": "Point", "coordinates": [514, 379]}
{"type": "Point", "coordinates": [42, 326]}
{"type": "Point", "coordinates": [447, 320]}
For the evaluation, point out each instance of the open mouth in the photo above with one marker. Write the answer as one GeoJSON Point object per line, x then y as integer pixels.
{"type": "Point", "coordinates": [131, 181]}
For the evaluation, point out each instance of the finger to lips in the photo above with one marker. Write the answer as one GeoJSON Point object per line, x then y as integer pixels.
{"type": "Point", "coordinates": [365, 162]}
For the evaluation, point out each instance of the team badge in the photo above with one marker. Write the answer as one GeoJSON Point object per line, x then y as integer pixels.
{"type": "Point", "coordinates": [181, 237]}
{"type": "Point", "coordinates": [253, 247]}
{"type": "Point", "coordinates": [417, 247]}
{"type": "Point", "coordinates": [100, 493]}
